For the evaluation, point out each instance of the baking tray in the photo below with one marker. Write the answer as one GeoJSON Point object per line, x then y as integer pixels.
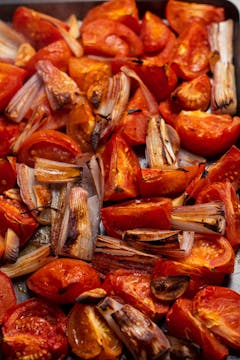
{"type": "Point", "coordinates": [62, 9]}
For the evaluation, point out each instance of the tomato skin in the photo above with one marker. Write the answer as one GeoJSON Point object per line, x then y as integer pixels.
{"type": "Point", "coordinates": [63, 280]}
{"type": "Point", "coordinates": [142, 213]}
{"type": "Point", "coordinates": [49, 144]}
{"type": "Point", "coordinates": [154, 33]}
{"type": "Point", "coordinates": [34, 328]}
{"type": "Point", "coordinates": [182, 323]}
{"type": "Point", "coordinates": [8, 176]}
{"type": "Point", "coordinates": [11, 80]}
{"type": "Point", "coordinates": [16, 216]}
{"type": "Point", "coordinates": [133, 286]}
{"type": "Point", "coordinates": [122, 170]}
{"type": "Point", "coordinates": [207, 134]}
{"type": "Point", "coordinates": [125, 12]}
{"type": "Point", "coordinates": [36, 26]}
{"type": "Point", "coordinates": [57, 52]}
{"type": "Point", "coordinates": [158, 182]}
{"type": "Point", "coordinates": [191, 56]}
{"type": "Point", "coordinates": [7, 295]}
{"type": "Point", "coordinates": [225, 192]}
{"type": "Point", "coordinates": [180, 13]}
{"type": "Point", "coordinates": [218, 308]}
{"type": "Point", "coordinates": [8, 133]}
{"type": "Point", "coordinates": [110, 38]}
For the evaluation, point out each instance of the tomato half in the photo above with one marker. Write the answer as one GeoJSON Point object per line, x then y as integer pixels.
{"type": "Point", "coordinates": [191, 57]}
{"type": "Point", "coordinates": [194, 94]}
{"type": "Point", "coordinates": [89, 336]}
{"type": "Point", "coordinates": [37, 27]}
{"type": "Point", "coordinates": [218, 308]}
{"type": "Point", "coordinates": [180, 13]}
{"type": "Point", "coordinates": [132, 214]}
{"type": "Point", "coordinates": [154, 33]}
{"type": "Point", "coordinates": [122, 170]}
{"type": "Point", "coordinates": [48, 144]}
{"type": "Point", "coordinates": [125, 12]}
{"type": "Point", "coordinates": [63, 280]}
{"type": "Point", "coordinates": [34, 329]}
{"type": "Point", "coordinates": [11, 80]}
{"type": "Point", "coordinates": [110, 38]}
{"type": "Point", "coordinates": [133, 286]}
{"type": "Point", "coordinates": [57, 52]}
{"type": "Point", "coordinates": [207, 134]}
{"type": "Point", "coordinates": [16, 216]}
{"type": "Point", "coordinates": [182, 323]}
{"type": "Point", "coordinates": [225, 192]}
{"type": "Point", "coordinates": [7, 294]}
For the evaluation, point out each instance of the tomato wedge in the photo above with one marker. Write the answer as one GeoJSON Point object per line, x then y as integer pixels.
{"type": "Point", "coordinates": [34, 329]}
{"type": "Point", "coordinates": [133, 287]}
{"type": "Point", "coordinates": [142, 213]}
{"type": "Point", "coordinates": [180, 13]}
{"type": "Point", "coordinates": [15, 215]}
{"type": "Point", "coordinates": [37, 27]}
{"type": "Point", "coordinates": [207, 134]}
{"type": "Point", "coordinates": [8, 133]}
{"type": "Point", "coordinates": [122, 170]}
{"type": "Point", "coordinates": [89, 335]}
{"type": "Point", "coordinates": [8, 175]}
{"type": "Point", "coordinates": [48, 144]}
{"type": "Point", "coordinates": [11, 80]}
{"type": "Point", "coordinates": [191, 57]}
{"type": "Point", "coordinates": [182, 323]}
{"type": "Point", "coordinates": [63, 280]}
{"type": "Point", "coordinates": [7, 295]}
{"type": "Point", "coordinates": [218, 308]}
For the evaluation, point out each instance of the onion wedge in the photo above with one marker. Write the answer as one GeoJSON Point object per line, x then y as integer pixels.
{"type": "Point", "coordinates": [143, 338]}
{"type": "Point", "coordinates": [10, 40]}
{"type": "Point", "coordinates": [205, 218]}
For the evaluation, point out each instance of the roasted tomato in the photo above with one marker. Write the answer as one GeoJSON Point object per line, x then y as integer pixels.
{"type": "Point", "coordinates": [218, 308]}
{"type": "Point", "coordinates": [132, 214]}
{"type": "Point", "coordinates": [133, 287]}
{"type": "Point", "coordinates": [169, 182]}
{"type": "Point", "coordinates": [125, 12]}
{"type": "Point", "coordinates": [57, 52]}
{"type": "Point", "coordinates": [11, 80]}
{"type": "Point", "coordinates": [89, 335]}
{"type": "Point", "coordinates": [194, 94]}
{"type": "Point", "coordinates": [8, 176]}
{"type": "Point", "coordinates": [169, 110]}
{"type": "Point", "coordinates": [8, 133]}
{"type": "Point", "coordinates": [182, 323]}
{"type": "Point", "coordinates": [191, 57]}
{"type": "Point", "coordinates": [134, 121]}
{"type": "Point", "coordinates": [154, 33]}
{"type": "Point", "coordinates": [49, 144]}
{"type": "Point", "coordinates": [63, 280]}
{"type": "Point", "coordinates": [16, 216]}
{"type": "Point", "coordinates": [7, 295]}
{"type": "Point", "coordinates": [165, 55]}
{"type": "Point", "coordinates": [180, 13]}
{"type": "Point", "coordinates": [207, 134]}
{"type": "Point", "coordinates": [34, 329]}
{"type": "Point", "coordinates": [86, 71]}
{"type": "Point", "coordinates": [110, 38]}
{"type": "Point", "coordinates": [37, 27]}
{"type": "Point", "coordinates": [225, 192]}
{"type": "Point", "coordinates": [122, 170]}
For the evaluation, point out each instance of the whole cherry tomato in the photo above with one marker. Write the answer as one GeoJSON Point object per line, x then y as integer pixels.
{"type": "Point", "coordinates": [36, 329]}
{"type": "Point", "coordinates": [63, 280]}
